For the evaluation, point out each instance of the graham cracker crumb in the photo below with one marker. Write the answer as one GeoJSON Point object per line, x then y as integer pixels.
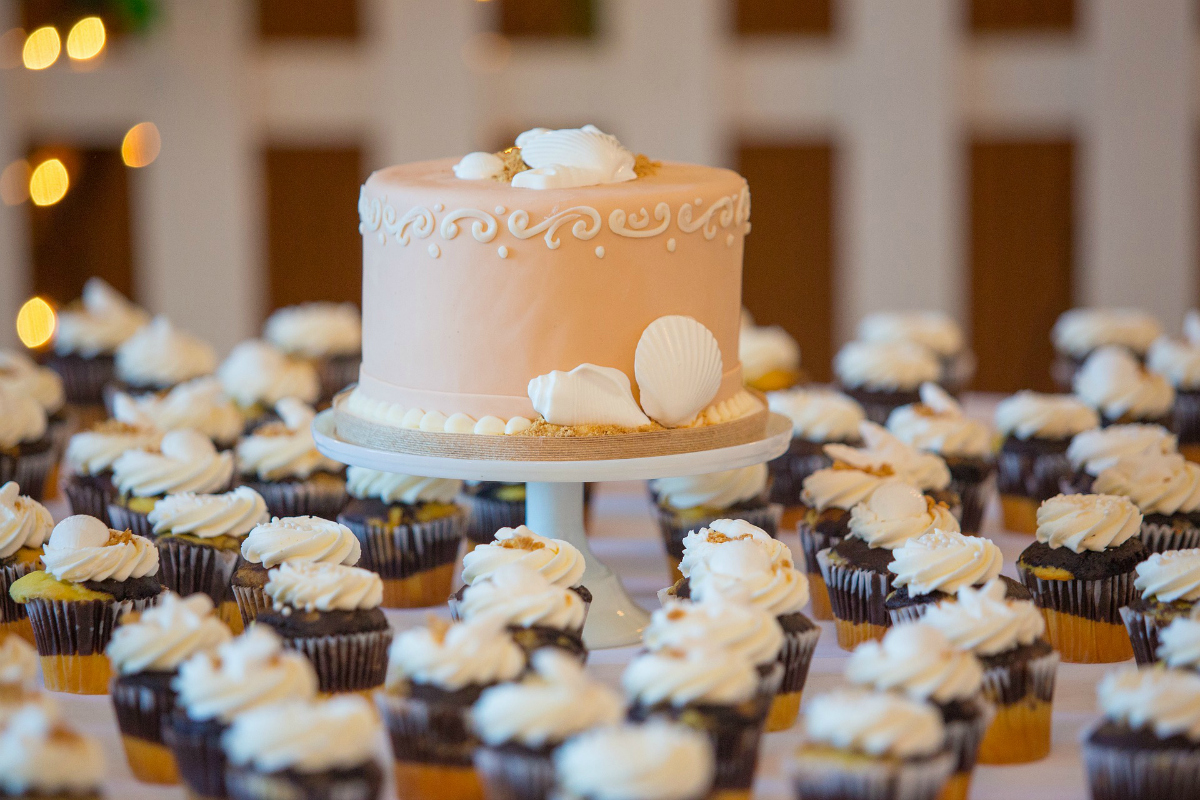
{"type": "Point", "coordinates": [511, 156]}
{"type": "Point", "coordinates": [275, 428]}
{"type": "Point", "coordinates": [923, 410]}
{"type": "Point", "coordinates": [521, 543]}
{"type": "Point", "coordinates": [644, 167]}
{"type": "Point", "coordinates": [117, 427]}
{"type": "Point", "coordinates": [542, 428]}
{"type": "Point", "coordinates": [676, 613]}
{"type": "Point", "coordinates": [119, 537]}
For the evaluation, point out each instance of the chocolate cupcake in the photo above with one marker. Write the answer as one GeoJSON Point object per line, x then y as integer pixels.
{"type": "Point", "coordinates": [41, 757]}
{"type": "Point", "coordinates": [92, 576]}
{"type": "Point", "coordinates": [918, 662]}
{"type": "Point", "coordinates": [24, 376]}
{"type": "Point", "coordinates": [932, 568]}
{"type": "Point", "coordinates": [1179, 363]}
{"type": "Point", "coordinates": [520, 725]}
{"type": "Point", "coordinates": [298, 539]}
{"type": "Point", "coordinates": [1081, 572]}
{"type": "Point", "coordinates": [856, 568]}
{"type": "Point", "coordinates": [1018, 667]}
{"type": "Point", "coordinates": [491, 506]}
{"type": "Point", "coordinates": [770, 356]}
{"type": "Point", "coordinates": [1148, 742]}
{"type": "Point", "coordinates": [280, 461]}
{"type": "Point", "coordinates": [331, 614]}
{"type": "Point", "coordinates": [882, 376]}
{"type": "Point", "coordinates": [90, 457]}
{"type": "Point", "coordinates": [938, 425]}
{"type": "Point", "coordinates": [257, 375]}
{"type": "Point", "coordinates": [199, 537]}
{"type": "Point", "coordinates": [185, 461]}
{"type": "Point", "coordinates": [882, 451]}
{"type": "Point", "coordinates": [1037, 430]}
{"type": "Point", "coordinates": [656, 760]}
{"type": "Point", "coordinates": [1121, 390]}
{"type": "Point", "coordinates": [199, 404]}
{"type": "Point", "coordinates": [26, 451]}
{"type": "Point", "coordinates": [1080, 331]}
{"type": "Point", "coordinates": [556, 559]}
{"type": "Point", "coordinates": [1093, 451]}
{"type": "Point", "coordinates": [1179, 644]}
{"type": "Point", "coordinates": [701, 545]}
{"type": "Point", "coordinates": [327, 335]}
{"type": "Point", "coordinates": [146, 650]}
{"type": "Point", "coordinates": [435, 675]}
{"type": "Point", "coordinates": [213, 688]}
{"type": "Point", "coordinates": [410, 529]}
{"type": "Point", "coordinates": [538, 613]}
{"type": "Point", "coordinates": [692, 502]}
{"type": "Point", "coordinates": [1168, 586]}
{"type": "Point", "coordinates": [1166, 489]}
{"type": "Point", "coordinates": [862, 745]}
{"type": "Point", "coordinates": [86, 339]}
{"type": "Point", "coordinates": [157, 358]}
{"type": "Point", "coordinates": [933, 330]}
{"type": "Point", "coordinates": [25, 524]}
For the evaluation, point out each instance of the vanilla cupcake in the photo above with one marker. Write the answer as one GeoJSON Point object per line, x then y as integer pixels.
{"type": "Point", "coordinates": [1095, 450]}
{"type": "Point", "coordinates": [933, 330]}
{"type": "Point", "coordinates": [24, 376]}
{"type": "Point", "coordinates": [24, 525]}
{"type": "Point", "coordinates": [327, 335]}
{"type": "Point", "coordinates": [882, 451]}
{"type": "Point", "coordinates": [280, 461]}
{"type": "Point", "coordinates": [40, 757]}
{"type": "Point", "coordinates": [1179, 644]}
{"type": "Point", "coordinates": [883, 376]}
{"type": "Point", "coordinates": [158, 357]}
{"type": "Point", "coordinates": [26, 451]}
{"type": "Point", "coordinates": [257, 375]}
{"type": "Point", "coordinates": [1168, 587]}
{"type": "Point", "coordinates": [691, 502]}
{"type": "Point", "coordinates": [86, 339]}
{"type": "Point", "coordinates": [1166, 489]}
{"type": "Point", "coordinates": [701, 545]}
{"type": "Point", "coordinates": [770, 356]}
{"type": "Point", "coordinates": [185, 461]}
{"type": "Point", "coordinates": [1179, 363]}
{"type": "Point", "coordinates": [198, 404]}
{"type": "Point", "coordinates": [90, 457]}
{"type": "Point", "coordinates": [19, 686]}
{"type": "Point", "coordinates": [538, 613]}
{"type": "Point", "coordinates": [656, 760]}
{"type": "Point", "coordinates": [750, 631]}
{"type": "Point", "coordinates": [1115, 383]}
{"type": "Point", "coordinates": [1080, 331]}
{"type": "Point", "coordinates": [1037, 430]}
{"type": "Point", "coordinates": [557, 560]}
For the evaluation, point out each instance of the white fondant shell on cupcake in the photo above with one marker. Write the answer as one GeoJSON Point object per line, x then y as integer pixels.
{"type": "Point", "coordinates": [678, 368]}
{"type": "Point", "coordinates": [587, 395]}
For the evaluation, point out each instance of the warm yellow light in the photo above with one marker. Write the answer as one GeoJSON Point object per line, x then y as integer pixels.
{"type": "Point", "coordinates": [36, 322]}
{"type": "Point", "coordinates": [14, 183]}
{"type": "Point", "coordinates": [41, 48]}
{"type": "Point", "coordinates": [49, 182]}
{"type": "Point", "coordinates": [141, 145]}
{"type": "Point", "coordinates": [86, 39]}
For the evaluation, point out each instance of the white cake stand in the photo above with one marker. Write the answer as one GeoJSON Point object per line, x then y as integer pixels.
{"type": "Point", "coordinates": [554, 501]}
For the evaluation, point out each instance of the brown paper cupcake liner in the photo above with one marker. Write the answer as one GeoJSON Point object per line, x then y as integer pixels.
{"type": "Point", "coordinates": [346, 662]}
{"type": "Point", "coordinates": [974, 493]}
{"type": "Point", "coordinates": [427, 732]}
{"type": "Point", "coordinates": [912, 613]}
{"type": "Point", "coordinates": [78, 627]}
{"type": "Point", "coordinates": [121, 518]}
{"type": "Point", "coordinates": [513, 772]}
{"type": "Point", "coordinates": [1155, 774]}
{"type": "Point", "coordinates": [963, 736]}
{"type": "Point", "coordinates": [856, 595]}
{"type": "Point", "coordinates": [323, 499]}
{"type": "Point", "coordinates": [824, 776]}
{"type": "Point", "coordinates": [11, 610]}
{"type": "Point", "coordinates": [142, 709]}
{"type": "Point", "coordinates": [1033, 474]}
{"type": "Point", "coordinates": [767, 517]}
{"type": "Point", "coordinates": [87, 498]}
{"type": "Point", "coordinates": [84, 378]}
{"type": "Point", "coordinates": [1160, 537]}
{"type": "Point", "coordinates": [251, 600]}
{"type": "Point", "coordinates": [812, 542]}
{"type": "Point", "coordinates": [400, 551]}
{"type": "Point", "coordinates": [186, 568]}
{"type": "Point", "coordinates": [1185, 417]}
{"type": "Point", "coordinates": [1098, 600]}
{"type": "Point", "coordinates": [198, 752]}
{"type": "Point", "coordinates": [486, 515]}
{"type": "Point", "coordinates": [364, 782]}
{"type": "Point", "coordinates": [29, 468]}
{"type": "Point", "coordinates": [1021, 681]}
{"type": "Point", "coordinates": [1143, 635]}
{"type": "Point", "coordinates": [735, 737]}
{"type": "Point", "coordinates": [788, 472]}
{"type": "Point", "coordinates": [796, 656]}
{"type": "Point", "coordinates": [536, 637]}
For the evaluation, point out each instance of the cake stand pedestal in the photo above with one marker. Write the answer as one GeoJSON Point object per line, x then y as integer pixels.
{"type": "Point", "coordinates": [554, 501]}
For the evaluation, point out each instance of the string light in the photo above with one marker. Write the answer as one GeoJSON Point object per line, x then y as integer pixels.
{"type": "Point", "coordinates": [141, 145]}
{"type": "Point", "coordinates": [86, 39]}
{"type": "Point", "coordinates": [49, 182]}
{"type": "Point", "coordinates": [41, 48]}
{"type": "Point", "coordinates": [36, 322]}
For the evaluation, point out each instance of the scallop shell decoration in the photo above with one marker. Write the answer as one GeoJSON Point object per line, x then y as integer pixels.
{"type": "Point", "coordinates": [587, 395]}
{"type": "Point", "coordinates": [572, 157]}
{"type": "Point", "coordinates": [678, 368]}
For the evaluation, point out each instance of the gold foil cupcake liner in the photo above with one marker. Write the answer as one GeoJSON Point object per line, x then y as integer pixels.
{"type": "Point", "coordinates": [1083, 618]}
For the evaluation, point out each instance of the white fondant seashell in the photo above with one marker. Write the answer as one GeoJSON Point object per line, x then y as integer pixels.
{"type": "Point", "coordinates": [572, 157]}
{"type": "Point", "coordinates": [678, 368]}
{"type": "Point", "coordinates": [587, 395]}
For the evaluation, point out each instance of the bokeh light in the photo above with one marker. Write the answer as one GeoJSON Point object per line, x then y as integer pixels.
{"type": "Point", "coordinates": [86, 39]}
{"type": "Point", "coordinates": [49, 182]}
{"type": "Point", "coordinates": [36, 322]}
{"type": "Point", "coordinates": [141, 145]}
{"type": "Point", "coordinates": [14, 183]}
{"type": "Point", "coordinates": [41, 48]}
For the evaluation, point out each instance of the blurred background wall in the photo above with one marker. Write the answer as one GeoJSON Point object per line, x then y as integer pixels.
{"type": "Point", "coordinates": [998, 159]}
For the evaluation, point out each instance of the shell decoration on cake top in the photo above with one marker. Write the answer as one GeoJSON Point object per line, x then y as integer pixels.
{"type": "Point", "coordinates": [557, 159]}
{"type": "Point", "coordinates": [587, 395]}
{"type": "Point", "coordinates": [678, 368]}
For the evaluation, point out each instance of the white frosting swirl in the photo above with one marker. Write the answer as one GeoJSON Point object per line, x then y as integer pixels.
{"type": "Point", "coordinates": [309, 539]}
{"type": "Point", "coordinates": [700, 676]}
{"type": "Point", "coordinates": [24, 522]}
{"type": "Point", "coordinates": [932, 329]}
{"type": "Point", "coordinates": [700, 545]}
{"type": "Point", "coordinates": [314, 330]}
{"type": "Point", "coordinates": [1167, 701]}
{"type": "Point", "coordinates": [1179, 643]}
{"type": "Point", "coordinates": [1115, 384]}
{"type": "Point", "coordinates": [22, 374]}
{"type": "Point", "coordinates": [103, 321]}
{"type": "Point", "coordinates": [523, 598]}
{"type": "Point", "coordinates": [40, 756]}
{"type": "Point", "coordinates": [166, 635]}
{"type": "Point", "coordinates": [1092, 522]}
{"type": "Point", "coordinates": [749, 631]}
{"type": "Point", "coordinates": [572, 157]}
{"type": "Point", "coordinates": [1081, 330]}
{"type": "Point", "coordinates": [477, 652]}
{"type": "Point", "coordinates": [93, 452]}
{"type": "Point", "coordinates": [316, 586]}
{"type": "Point", "coordinates": [717, 490]}
{"type": "Point", "coordinates": [199, 404]}
{"type": "Point", "coordinates": [207, 516]}
{"type": "Point", "coordinates": [1031, 415]}
{"type": "Point", "coordinates": [842, 486]}
{"type": "Point", "coordinates": [885, 366]}
{"type": "Point", "coordinates": [1159, 484]}
{"type": "Point", "coordinates": [160, 354]}
{"type": "Point", "coordinates": [18, 665]}
{"type": "Point", "coordinates": [918, 661]}
{"type": "Point", "coordinates": [926, 471]}
{"type": "Point", "coordinates": [557, 560]}
{"type": "Point", "coordinates": [945, 561]}
{"type": "Point", "coordinates": [896, 513]}
{"type": "Point", "coordinates": [741, 572]}
{"type": "Point", "coordinates": [258, 373]}
{"type": "Point", "coordinates": [818, 415]}
{"type": "Point", "coordinates": [657, 760]}
{"type": "Point", "coordinates": [393, 487]}
{"type": "Point", "coordinates": [552, 704]}
{"type": "Point", "coordinates": [22, 419]}
{"type": "Point", "coordinates": [982, 621]}
{"type": "Point", "coordinates": [875, 723]}
{"type": "Point", "coordinates": [186, 461]}
{"type": "Point", "coordinates": [304, 736]}
{"type": "Point", "coordinates": [1178, 362]}
{"type": "Point", "coordinates": [82, 548]}
{"type": "Point", "coordinates": [1170, 576]}
{"type": "Point", "coordinates": [285, 449]}
{"type": "Point", "coordinates": [765, 349]}
{"type": "Point", "coordinates": [938, 424]}
{"type": "Point", "coordinates": [250, 671]}
{"type": "Point", "coordinates": [1098, 449]}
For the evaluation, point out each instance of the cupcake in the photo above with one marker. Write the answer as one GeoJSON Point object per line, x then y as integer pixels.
{"type": "Point", "coordinates": [881, 450]}
{"type": "Point", "coordinates": [699, 546]}
{"type": "Point", "coordinates": [24, 376]}
{"type": "Point", "coordinates": [185, 461]}
{"type": "Point", "coordinates": [303, 749]}
{"type": "Point", "coordinates": [718, 692]}
{"type": "Point", "coordinates": [557, 560]}
{"type": "Point", "coordinates": [146, 650]}
{"type": "Point", "coordinates": [937, 425]}
{"type": "Point", "coordinates": [656, 760]}
{"type": "Point", "coordinates": [435, 675]}
{"type": "Point", "coordinates": [257, 375]}
{"type": "Point", "coordinates": [157, 358]}
{"type": "Point", "coordinates": [1081, 572]}
{"type": "Point", "coordinates": [819, 417]}
{"type": "Point", "coordinates": [863, 745]}
{"type": "Point", "coordinates": [1121, 390]}
{"type": "Point", "coordinates": [491, 505]}
{"type": "Point", "coordinates": [918, 662]}
{"type": "Point", "coordinates": [410, 529]}
{"type": "Point", "coordinates": [1080, 331]}
{"type": "Point", "coordinates": [19, 678]}
{"type": "Point", "coordinates": [1037, 430]}
{"type": "Point", "coordinates": [25, 525]}
{"type": "Point", "coordinates": [882, 376]}
{"type": "Point", "coordinates": [1093, 451]}
{"type": "Point", "coordinates": [1168, 587]}
{"type": "Point", "coordinates": [770, 356]}
{"type": "Point", "coordinates": [90, 456]}
{"type": "Point", "coordinates": [199, 537]}
{"type": "Point", "coordinates": [519, 725]}
{"type": "Point", "coordinates": [691, 502]}
{"type": "Point", "coordinates": [198, 404]}
{"type": "Point", "coordinates": [280, 461]}
{"type": "Point", "coordinates": [1179, 644]}
{"type": "Point", "coordinates": [1019, 666]}
{"type": "Point", "coordinates": [933, 330]}
{"type": "Point", "coordinates": [92, 576]}
{"type": "Point", "coordinates": [26, 451]}
{"type": "Point", "coordinates": [213, 688]}
{"type": "Point", "coordinates": [269, 544]}
{"type": "Point", "coordinates": [331, 613]}
{"type": "Point", "coordinates": [856, 568]}
{"type": "Point", "coordinates": [1166, 489]}
{"type": "Point", "coordinates": [1147, 744]}
{"type": "Point", "coordinates": [538, 613]}
{"type": "Point", "coordinates": [1179, 363]}
{"type": "Point", "coordinates": [932, 568]}
{"type": "Point", "coordinates": [86, 339]}
{"type": "Point", "coordinates": [327, 335]}
{"type": "Point", "coordinates": [40, 757]}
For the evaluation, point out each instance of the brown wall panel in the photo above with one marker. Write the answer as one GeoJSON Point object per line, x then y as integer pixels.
{"type": "Point", "coordinates": [788, 277]}
{"type": "Point", "coordinates": [547, 19]}
{"type": "Point", "coordinates": [792, 17]}
{"type": "Point", "coordinates": [1021, 257]}
{"type": "Point", "coordinates": [314, 250]}
{"type": "Point", "coordinates": [995, 16]}
{"type": "Point", "coordinates": [308, 19]}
